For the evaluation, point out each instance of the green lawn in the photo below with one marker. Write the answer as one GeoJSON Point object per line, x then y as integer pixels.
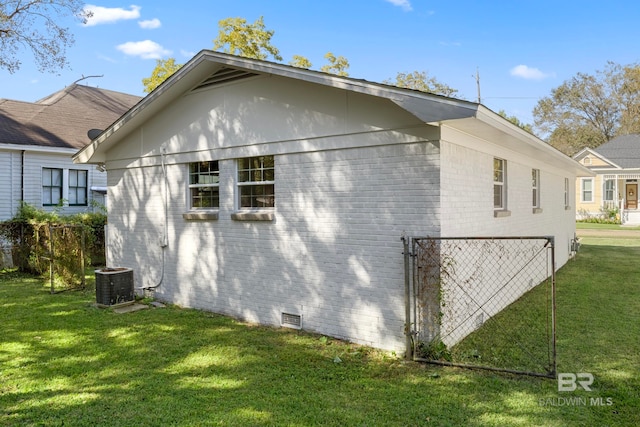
{"type": "Point", "coordinates": [595, 226]}
{"type": "Point", "coordinates": [65, 362]}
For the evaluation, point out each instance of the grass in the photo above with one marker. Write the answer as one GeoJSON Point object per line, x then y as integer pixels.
{"type": "Point", "coordinates": [596, 226]}
{"type": "Point", "coordinates": [65, 362]}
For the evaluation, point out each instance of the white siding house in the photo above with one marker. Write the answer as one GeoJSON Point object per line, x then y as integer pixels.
{"type": "Point", "coordinates": [37, 141]}
{"type": "Point", "coordinates": [272, 193]}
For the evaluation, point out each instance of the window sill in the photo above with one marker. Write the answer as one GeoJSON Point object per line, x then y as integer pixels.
{"type": "Point", "coordinates": [253, 216]}
{"type": "Point", "coordinates": [567, 208]}
{"type": "Point", "coordinates": [200, 215]}
{"type": "Point", "coordinates": [501, 214]}
{"type": "Point", "coordinates": [537, 210]}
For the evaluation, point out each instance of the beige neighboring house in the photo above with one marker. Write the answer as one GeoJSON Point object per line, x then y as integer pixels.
{"type": "Point", "coordinates": [37, 140]}
{"type": "Point", "coordinates": [616, 165]}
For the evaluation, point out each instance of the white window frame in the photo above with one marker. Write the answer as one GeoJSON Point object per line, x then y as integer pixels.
{"type": "Point", "coordinates": [612, 190]}
{"type": "Point", "coordinates": [199, 181]}
{"type": "Point", "coordinates": [583, 191]}
{"type": "Point", "coordinates": [255, 174]}
{"type": "Point", "coordinates": [566, 192]}
{"type": "Point", "coordinates": [499, 183]}
{"type": "Point", "coordinates": [535, 187]}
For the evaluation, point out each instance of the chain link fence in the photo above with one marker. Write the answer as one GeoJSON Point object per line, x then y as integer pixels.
{"type": "Point", "coordinates": [483, 302]}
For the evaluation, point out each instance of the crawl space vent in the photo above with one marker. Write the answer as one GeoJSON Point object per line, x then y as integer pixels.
{"type": "Point", "coordinates": [291, 320]}
{"type": "Point", "coordinates": [224, 75]}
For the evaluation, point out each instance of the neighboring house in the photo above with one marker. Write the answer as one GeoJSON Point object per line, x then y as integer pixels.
{"type": "Point", "coordinates": [616, 165]}
{"type": "Point", "coordinates": [37, 140]}
{"type": "Point", "coordinates": [280, 195]}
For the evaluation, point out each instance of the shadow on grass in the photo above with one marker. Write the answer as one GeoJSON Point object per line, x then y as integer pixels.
{"type": "Point", "coordinates": [66, 362]}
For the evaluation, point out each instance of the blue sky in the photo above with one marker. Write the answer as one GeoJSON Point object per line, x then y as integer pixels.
{"type": "Point", "coordinates": [522, 49]}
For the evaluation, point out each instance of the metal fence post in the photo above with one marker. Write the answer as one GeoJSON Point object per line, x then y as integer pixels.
{"type": "Point", "coordinates": [407, 300]}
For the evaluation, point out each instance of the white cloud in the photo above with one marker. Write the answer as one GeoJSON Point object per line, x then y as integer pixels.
{"type": "Point", "coordinates": [110, 15]}
{"type": "Point", "coordinates": [187, 53]}
{"type": "Point", "coordinates": [150, 24]}
{"type": "Point", "coordinates": [145, 49]}
{"type": "Point", "coordinates": [529, 73]}
{"type": "Point", "coordinates": [404, 4]}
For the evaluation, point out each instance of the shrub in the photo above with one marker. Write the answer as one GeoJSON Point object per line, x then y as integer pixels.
{"type": "Point", "coordinates": [605, 216]}
{"type": "Point", "coordinates": [32, 232]}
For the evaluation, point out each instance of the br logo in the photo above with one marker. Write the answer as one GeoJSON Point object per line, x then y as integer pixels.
{"type": "Point", "coordinates": [569, 381]}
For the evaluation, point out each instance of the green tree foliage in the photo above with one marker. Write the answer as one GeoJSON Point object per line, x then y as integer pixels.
{"type": "Point", "coordinates": [516, 121]}
{"type": "Point", "coordinates": [237, 37]}
{"type": "Point", "coordinates": [589, 110]}
{"type": "Point", "coordinates": [164, 69]}
{"type": "Point", "coordinates": [337, 65]}
{"type": "Point", "coordinates": [300, 62]}
{"type": "Point", "coordinates": [35, 25]}
{"type": "Point", "coordinates": [420, 80]}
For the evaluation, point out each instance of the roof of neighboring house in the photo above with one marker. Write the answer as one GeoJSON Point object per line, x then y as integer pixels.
{"type": "Point", "coordinates": [209, 68]}
{"type": "Point", "coordinates": [624, 151]}
{"type": "Point", "coordinates": [62, 119]}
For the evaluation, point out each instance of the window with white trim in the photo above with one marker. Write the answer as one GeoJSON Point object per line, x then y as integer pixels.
{"type": "Point", "coordinates": [77, 187]}
{"type": "Point", "coordinates": [609, 190]}
{"type": "Point", "coordinates": [51, 186]}
{"type": "Point", "coordinates": [256, 183]}
{"type": "Point", "coordinates": [566, 192]}
{"type": "Point", "coordinates": [204, 185]}
{"type": "Point", "coordinates": [535, 187]}
{"type": "Point", "coordinates": [586, 190]}
{"type": "Point", "coordinates": [499, 184]}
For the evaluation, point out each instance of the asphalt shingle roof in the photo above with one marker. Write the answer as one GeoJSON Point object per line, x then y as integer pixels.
{"type": "Point", "coordinates": [63, 118]}
{"type": "Point", "coordinates": [623, 150]}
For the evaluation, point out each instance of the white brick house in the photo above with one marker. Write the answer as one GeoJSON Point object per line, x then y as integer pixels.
{"type": "Point", "coordinates": [254, 189]}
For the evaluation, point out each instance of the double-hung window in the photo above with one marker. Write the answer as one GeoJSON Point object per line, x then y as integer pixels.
{"type": "Point", "coordinates": [51, 186]}
{"type": "Point", "coordinates": [499, 184]}
{"type": "Point", "coordinates": [566, 193]}
{"type": "Point", "coordinates": [535, 187]}
{"type": "Point", "coordinates": [609, 190]}
{"type": "Point", "coordinates": [77, 187]}
{"type": "Point", "coordinates": [256, 183]}
{"type": "Point", "coordinates": [204, 185]}
{"type": "Point", "coordinates": [586, 190]}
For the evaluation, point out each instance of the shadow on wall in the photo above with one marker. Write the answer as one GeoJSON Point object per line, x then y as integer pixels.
{"type": "Point", "coordinates": [333, 253]}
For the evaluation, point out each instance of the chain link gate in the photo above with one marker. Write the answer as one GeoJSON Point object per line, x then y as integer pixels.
{"type": "Point", "coordinates": [482, 302]}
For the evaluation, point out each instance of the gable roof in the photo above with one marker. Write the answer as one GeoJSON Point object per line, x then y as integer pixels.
{"type": "Point", "coordinates": [590, 154]}
{"type": "Point", "coordinates": [623, 151]}
{"type": "Point", "coordinates": [61, 120]}
{"type": "Point", "coordinates": [208, 68]}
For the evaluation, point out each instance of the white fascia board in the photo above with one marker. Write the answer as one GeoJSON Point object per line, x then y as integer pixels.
{"type": "Point", "coordinates": [497, 129]}
{"type": "Point", "coordinates": [37, 149]}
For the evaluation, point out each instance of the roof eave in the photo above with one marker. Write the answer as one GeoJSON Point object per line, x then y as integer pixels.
{"type": "Point", "coordinates": [495, 128]}
{"type": "Point", "coordinates": [206, 62]}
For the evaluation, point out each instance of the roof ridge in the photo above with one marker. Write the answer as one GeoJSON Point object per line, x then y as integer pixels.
{"type": "Point", "coordinates": [56, 96]}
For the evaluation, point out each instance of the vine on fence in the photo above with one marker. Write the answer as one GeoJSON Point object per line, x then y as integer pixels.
{"type": "Point", "coordinates": [32, 233]}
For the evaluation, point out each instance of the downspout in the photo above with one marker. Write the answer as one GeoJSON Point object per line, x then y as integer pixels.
{"type": "Point", "coordinates": [164, 240]}
{"type": "Point", "coordinates": [22, 176]}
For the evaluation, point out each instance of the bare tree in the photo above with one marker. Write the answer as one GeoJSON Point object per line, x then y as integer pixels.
{"type": "Point", "coordinates": [34, 25]}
